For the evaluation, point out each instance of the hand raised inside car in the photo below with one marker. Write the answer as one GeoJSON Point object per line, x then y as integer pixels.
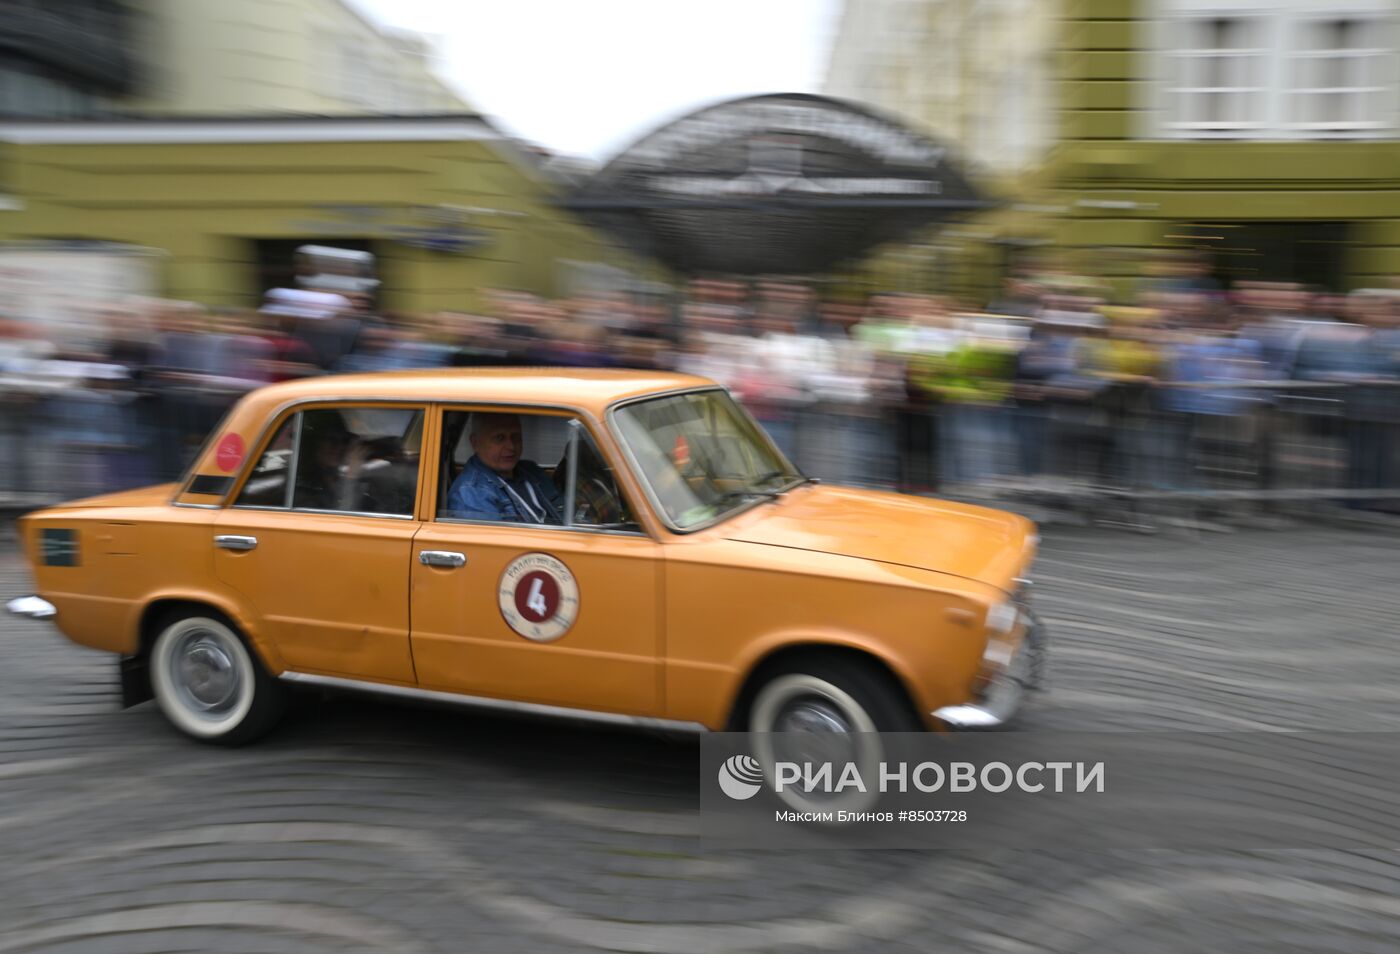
{"type": "Point", "coordinates": [355, 459]}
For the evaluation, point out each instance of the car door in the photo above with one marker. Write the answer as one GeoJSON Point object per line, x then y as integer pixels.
{"type": "Point", "coordinates": [323, 556]}
{"type": "Point", "coordinates": [564, 616]}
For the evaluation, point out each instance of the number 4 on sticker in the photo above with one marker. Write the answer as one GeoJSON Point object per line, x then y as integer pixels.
{"type": "Point", "coordinates": [535, 601]}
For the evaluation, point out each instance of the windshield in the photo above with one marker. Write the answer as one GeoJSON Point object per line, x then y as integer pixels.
{"type": "Point", "coordinates": [702, 455]}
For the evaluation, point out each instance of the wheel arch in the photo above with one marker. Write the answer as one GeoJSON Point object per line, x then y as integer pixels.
{"type": "Point", "coordinates": [162, 606]}
{"type": "Point", "coordinates": [787, 654]}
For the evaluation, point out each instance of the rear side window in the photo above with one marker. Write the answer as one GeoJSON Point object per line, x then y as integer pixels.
{"type": "Point", "coordinates": [341, 459]}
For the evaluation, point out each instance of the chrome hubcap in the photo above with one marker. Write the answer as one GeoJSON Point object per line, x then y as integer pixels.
{"type": "Point", "coordinates": [811, 715]}
{"type": "Point", "coordinates": [205, 673]}
{"type": "Point", "coordinates": [814, 731]}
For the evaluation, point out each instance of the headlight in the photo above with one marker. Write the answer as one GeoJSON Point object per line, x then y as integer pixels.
{"type": "Point", "coordinates": [1002, 617]}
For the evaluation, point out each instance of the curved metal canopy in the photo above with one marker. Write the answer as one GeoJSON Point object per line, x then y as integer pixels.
{"type": "Point", "coordinates": [786, 183]}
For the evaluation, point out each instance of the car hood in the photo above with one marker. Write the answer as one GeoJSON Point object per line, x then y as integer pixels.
{"type": "Point", "coordinates": [140, 497]}
{"type": "Point", "coordinates": [976, 543]}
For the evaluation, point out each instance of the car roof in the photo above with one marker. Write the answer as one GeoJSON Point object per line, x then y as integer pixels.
{"type": "Point", "coordinates": [591, 389]}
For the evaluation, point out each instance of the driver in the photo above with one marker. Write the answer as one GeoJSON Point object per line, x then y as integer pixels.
{"type": "Point", "coordinates": [496, 484]}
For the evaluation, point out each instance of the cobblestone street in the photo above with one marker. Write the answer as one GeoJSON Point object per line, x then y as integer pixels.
{"type": "Point", "coordinates": [368, 826]}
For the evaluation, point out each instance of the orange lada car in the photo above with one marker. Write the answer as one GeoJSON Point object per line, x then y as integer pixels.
{"type": "Point", "coordinates": [629, 547]}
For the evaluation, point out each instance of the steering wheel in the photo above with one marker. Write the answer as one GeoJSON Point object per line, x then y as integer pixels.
{"type": "Point", "coordinates": [599, 502]}
{"type": "Point", "coordinates": [596, 493]}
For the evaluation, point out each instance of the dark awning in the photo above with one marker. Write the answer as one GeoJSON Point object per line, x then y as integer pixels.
{"type": "Point", "coordinates": [778, 184]}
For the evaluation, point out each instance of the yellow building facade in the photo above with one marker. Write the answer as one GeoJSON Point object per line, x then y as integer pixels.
{"type": "Point", "coordinates": [1257, 135]}
{"type": "Point", "coordinates": [448, 205]}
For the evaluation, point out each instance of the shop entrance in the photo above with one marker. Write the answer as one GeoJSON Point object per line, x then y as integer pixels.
{"type": "Point", "coordinates": [278, 262]}
{"type": "Point", "coordinates": [1313, 253]}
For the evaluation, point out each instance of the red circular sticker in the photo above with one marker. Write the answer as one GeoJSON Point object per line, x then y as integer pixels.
{"type": "Point", "coordinates": [230, 452]}
{"type": "Point", "coordinates": [537, 596]}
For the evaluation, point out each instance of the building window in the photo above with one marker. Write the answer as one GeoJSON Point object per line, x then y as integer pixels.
{"type": "Point", "coordinates": [26, 91]}
{"type": "Point", "coordinates": [1218, 74]}
{"type": "Point", "coordinates": [1275, 69]}
{"type": "Point", "coordinates": [1340, 75]}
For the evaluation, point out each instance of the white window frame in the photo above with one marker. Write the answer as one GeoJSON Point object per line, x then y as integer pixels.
{"type": "Point", "coordinates": [1260, 29]}
{"type": "Point", "coordinates": [1384, 90]}
{"type": "Point", "coordinates": [1284, 29]}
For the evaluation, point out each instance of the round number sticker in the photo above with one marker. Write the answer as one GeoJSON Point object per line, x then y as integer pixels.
{"type": "Point", "coordinates": [230, 452]}
{"type": "Point", "coordinates": [538, 597]}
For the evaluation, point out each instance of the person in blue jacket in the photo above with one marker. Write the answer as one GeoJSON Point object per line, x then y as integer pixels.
{"type": "Point", "coordinates": [497, 484]}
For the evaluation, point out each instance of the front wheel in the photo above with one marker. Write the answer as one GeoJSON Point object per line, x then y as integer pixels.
{"type": "Point", "coordinates": [830, 695]}
{"type": "Point", "coordinates": [209, 685]}
{"type": "Point", "coordinates": [819, 710]}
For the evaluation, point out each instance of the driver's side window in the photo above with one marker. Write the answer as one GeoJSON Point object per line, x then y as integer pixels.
{"type": "Point", "coordinates": [499, 465]}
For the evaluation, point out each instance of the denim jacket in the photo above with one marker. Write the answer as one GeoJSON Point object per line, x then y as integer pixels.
{"type": "Point", "coordinates": [479, 493]}
{"type": "Point", "coordinates": [1357, 360]}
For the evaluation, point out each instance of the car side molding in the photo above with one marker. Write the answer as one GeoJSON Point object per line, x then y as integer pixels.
{"type": "Point", "coordinates": [498, 705]}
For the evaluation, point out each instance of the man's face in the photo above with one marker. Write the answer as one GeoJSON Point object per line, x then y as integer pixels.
{"type": "Point", "coordinates": [497, 441]}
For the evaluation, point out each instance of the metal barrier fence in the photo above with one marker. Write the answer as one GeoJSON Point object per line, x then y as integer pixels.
{"type": "Point", "coordinates": [1126, 446]}
{"type": "Point", "coordinates": [63, 443]}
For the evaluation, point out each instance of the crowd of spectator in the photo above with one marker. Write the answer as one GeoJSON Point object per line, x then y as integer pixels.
{"type": "Point", "coordinates": [908, 391]}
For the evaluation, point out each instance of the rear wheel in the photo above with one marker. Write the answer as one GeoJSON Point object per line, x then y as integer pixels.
{"type": "Point", "coordinates": [208, 683]}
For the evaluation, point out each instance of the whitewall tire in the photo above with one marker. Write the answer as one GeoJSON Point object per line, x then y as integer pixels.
{"type": "Point", "coordinates": [208, 683]}
{"type": "Point", "coordinates": [820, 709]}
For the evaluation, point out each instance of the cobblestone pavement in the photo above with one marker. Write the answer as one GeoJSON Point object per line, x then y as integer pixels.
{"type": "Point", "coordinates": [370, 826]}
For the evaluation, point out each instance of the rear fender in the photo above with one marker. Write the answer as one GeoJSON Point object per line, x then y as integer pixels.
{"type": "Point", "coordinates": [230, 604]}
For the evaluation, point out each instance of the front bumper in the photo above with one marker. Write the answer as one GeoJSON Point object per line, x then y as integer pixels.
{"type": "Point", "coordinates": [31, 606]}
{"type": "Point", "coordinates": [1006, 687]}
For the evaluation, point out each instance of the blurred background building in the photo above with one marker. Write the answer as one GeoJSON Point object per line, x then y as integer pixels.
{"type": "Point", "coordinates": [220, 137]}
{"type": "Point", "coordinates": [1257, 134]}
{"type": "Point", "coordinates": [68, 58]}
{"type": "Point", "coordinates": [321, 57]}
{"type": "Point", "coordinates": [448, 205]}
{"type": "Point", "coordinates": [1099, 213]}
{"type": "Point", "coordinates": [93, 58]}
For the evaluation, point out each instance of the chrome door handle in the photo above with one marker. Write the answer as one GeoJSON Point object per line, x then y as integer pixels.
{"type": "Point", "coordinates": [442, 558]}
{"type": "Point", "coordinates": [228, 541]}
